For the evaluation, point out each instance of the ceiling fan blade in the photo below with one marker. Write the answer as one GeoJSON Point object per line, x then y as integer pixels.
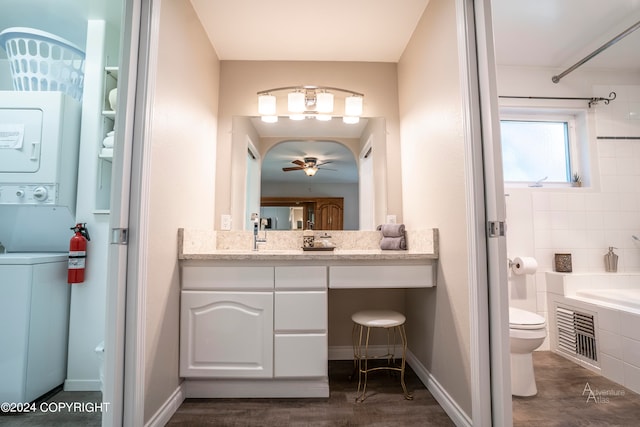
{"type": "Point", "coordinates": [324, 163]}
{"type": "Point", "coordinates": [327, 169]}
{"type": "Point", "coordinates": [298, 162]}
{"type": "Point", "coordinates": [297, 168]}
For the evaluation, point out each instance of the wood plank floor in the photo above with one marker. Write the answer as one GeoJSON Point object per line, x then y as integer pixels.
{"type": "Point", "coordinates": [561, 401]}
{"type": "Point", "coordinates": [563, 397]}
{"type": "Point", "coordinates": [384, 406]}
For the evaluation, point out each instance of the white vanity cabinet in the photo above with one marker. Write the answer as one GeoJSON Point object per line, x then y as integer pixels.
{"type": "Point", "coordinates": [300, 322]}
{"type": "Point", "coordinates": [226, 322]}
{"type": "Point", "coordinates": [254, 322]}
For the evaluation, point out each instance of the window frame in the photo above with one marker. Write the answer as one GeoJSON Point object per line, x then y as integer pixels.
{"type": "Point", "coordinates": [546, 116]}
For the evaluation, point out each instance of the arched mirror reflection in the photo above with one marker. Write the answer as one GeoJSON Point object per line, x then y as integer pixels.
{"type": "Point", "coordinates": [282, 170]}
{"type": "Point", "coordinates": [310, 184]}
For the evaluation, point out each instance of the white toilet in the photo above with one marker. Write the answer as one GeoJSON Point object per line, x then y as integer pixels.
{"type": "Point", "coordinates": [526, 333]}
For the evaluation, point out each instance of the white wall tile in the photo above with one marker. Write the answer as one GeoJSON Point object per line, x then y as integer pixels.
{"type": "Point", "coordinates": [609, 320]}
{"type": "Point", "coordinates": [629, 326]}
{"type": "Point", "coordinates": [608, 166]}
{"type": "Point", "coordinates": [609, 183]}
{"type": "Point", "coordinates": [558, 202]}
{"type": "Point", "coordinates": [540, 201]}
{"type": "Point", "coordinates": [631, 351]}
{"type": "Point", "coordinates": [541, 303]}
{"type": "Point", "coordinates": [612, 368]}
{"type": "Point", "coordinates": [595, 220]}
{"type": "Point", "coordinates": [632, 377]}
{"type": "Point", "coordinates": [610, 343]}
{"type": "Point", "coordinates": [630, 201]}
{"type": "Point", "coordinates": [606, 149]}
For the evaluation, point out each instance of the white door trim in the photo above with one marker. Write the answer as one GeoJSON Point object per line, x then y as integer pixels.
{"type": "Point", "coordinates": [497, 304]}
{"type": "Point", "coordinates": [134, 363]}
{"type": "Point", "coordinates": [476, 231]}
{"type": "Point", "coordinates": [116, 352]}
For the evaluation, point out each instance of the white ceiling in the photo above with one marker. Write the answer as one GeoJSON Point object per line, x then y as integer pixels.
{"type": "Point", "coordinates": [549, 33]}
{"type": "Point", "coordinates": [540, 33]}
{"type": "Point", "coordinates": [559, 33]}
{"type": "Point", "coordinates": [306, 30]}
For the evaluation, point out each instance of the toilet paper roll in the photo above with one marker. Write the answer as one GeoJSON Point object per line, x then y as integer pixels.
{"type": "Point", "coordinates": [524, 265]}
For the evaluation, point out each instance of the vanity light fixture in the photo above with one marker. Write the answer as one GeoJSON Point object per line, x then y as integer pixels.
{"type": "Point", "coordinates": [310, 102]}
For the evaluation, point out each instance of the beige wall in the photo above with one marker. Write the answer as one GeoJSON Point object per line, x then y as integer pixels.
{"type": "Point", "coordinates": [241, 80]}
{"type": "Point", "coordinates": [182, 164]}
{"type": "Point", "coordinates": [433, 165]}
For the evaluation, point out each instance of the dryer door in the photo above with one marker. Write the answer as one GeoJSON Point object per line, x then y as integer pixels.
{"type": "Point", "coordinates": [20, 140]}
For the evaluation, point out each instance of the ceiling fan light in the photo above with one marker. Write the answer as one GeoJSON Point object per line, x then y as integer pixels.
{"type": "Point", "coordinates": [267, 105]}
{"type": "Point", "coordinates": [323, 117]}
{"type": "Point", "coordinates": [353, 106]}
{"type": "Point", "coordinates": [324, 102]}
{"type": "Point", "coordinates": [311, 171]}
{"type": "Point", "coordinates": [351, 120]}
{"type": "Point", "coordinates": [269, 119]}
{"type": "Point", "coordinates": [296, 102]}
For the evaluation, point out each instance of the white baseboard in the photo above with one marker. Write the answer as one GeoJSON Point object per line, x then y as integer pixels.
{"type": "Point", "coordinates": [82, 385]}
{"type": "Point", "coordinates": [450, 406]}
{"type": "Point", "coordinates": [166, 411]}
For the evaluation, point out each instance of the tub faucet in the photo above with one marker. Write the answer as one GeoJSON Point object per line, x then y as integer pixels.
{"type": "Point", "coordinates": [256, 227]}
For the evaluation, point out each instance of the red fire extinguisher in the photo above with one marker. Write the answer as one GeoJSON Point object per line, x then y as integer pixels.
{"type": "Point", "coordinates": [78, 253]}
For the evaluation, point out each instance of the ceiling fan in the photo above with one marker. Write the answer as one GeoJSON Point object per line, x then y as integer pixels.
{"type": "Point", "coordinates": [309, 165]}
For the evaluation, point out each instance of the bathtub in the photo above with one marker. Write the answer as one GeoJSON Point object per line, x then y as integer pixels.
{"type": "Point", "coordinates": [613, 302]}
{"type": "Point", "coordinates": [624, 299]}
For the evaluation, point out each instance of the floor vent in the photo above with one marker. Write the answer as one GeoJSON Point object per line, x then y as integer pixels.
{"type": "Point", "coordinates": [576, 334]}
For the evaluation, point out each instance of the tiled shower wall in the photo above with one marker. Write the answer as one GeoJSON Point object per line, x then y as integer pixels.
{"type": "Point", "coordinates": [583, 221]}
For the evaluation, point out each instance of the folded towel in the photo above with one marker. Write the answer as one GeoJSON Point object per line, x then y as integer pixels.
{"type": "Point", "coordinates": [393, 243]}
{"type": "Point", "coordinates": [392, 230]}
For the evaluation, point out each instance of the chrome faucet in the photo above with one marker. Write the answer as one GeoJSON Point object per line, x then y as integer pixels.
{"type": "Point", "coordinates": [256, 227]}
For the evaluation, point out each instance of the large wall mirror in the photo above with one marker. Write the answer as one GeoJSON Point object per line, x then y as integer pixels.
{"type": "Point", "coordinates": [296, 174]}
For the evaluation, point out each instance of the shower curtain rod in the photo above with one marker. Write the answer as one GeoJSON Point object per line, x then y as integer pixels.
{"type": "Point", "coordinates": [592, 101]}
{"type": "Point", "coordinates": [608, 44]}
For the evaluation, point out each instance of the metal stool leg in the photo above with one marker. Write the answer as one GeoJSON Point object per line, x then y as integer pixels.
{"type": "Point", "coordinates": [363, 363]}
{"type": "Point", "coordinates": [403, 338]}
{"type": "Point", "coordinates": [361, 358]}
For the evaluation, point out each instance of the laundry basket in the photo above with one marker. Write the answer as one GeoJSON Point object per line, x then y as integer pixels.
{"type": "Point", "coordinates": [41, 61]}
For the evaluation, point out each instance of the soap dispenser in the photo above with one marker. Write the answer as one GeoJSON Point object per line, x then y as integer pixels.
{"type": "Point", "coordinates": [611, 261]}
{"type": "Point", "coordinates": [307, 236]}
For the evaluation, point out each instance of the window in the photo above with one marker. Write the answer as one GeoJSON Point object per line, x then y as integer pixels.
{"type": "Point", "coordinates": [536, 150]}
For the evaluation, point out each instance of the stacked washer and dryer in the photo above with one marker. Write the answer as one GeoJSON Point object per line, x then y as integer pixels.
{"type": "Point", "coordinates": [39, 142]}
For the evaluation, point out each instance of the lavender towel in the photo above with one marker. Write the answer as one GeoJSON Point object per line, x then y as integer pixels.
{"type": "Point", "coordinates": [393, 243]}
{"type": "Point", "coordinates": [392, 230]}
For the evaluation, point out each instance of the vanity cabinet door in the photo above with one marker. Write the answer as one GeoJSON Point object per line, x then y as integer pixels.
{"type": "Point", "coordinates": [226, 334]}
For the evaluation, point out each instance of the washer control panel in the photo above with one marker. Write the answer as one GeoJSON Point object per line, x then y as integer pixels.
{"type": "Point", "coordinates": [27, 194]}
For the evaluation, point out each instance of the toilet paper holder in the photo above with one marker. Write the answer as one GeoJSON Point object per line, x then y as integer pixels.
{"type": "Point", "coordinates": [523, 265]}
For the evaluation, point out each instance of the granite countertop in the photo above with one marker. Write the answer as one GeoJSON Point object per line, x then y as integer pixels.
{"type": "Point", "coordinates": [290, 255]}
{"type": "Point", "coordinates": [285, 246]}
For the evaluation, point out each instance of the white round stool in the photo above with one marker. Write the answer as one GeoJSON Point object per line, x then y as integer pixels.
{"type": "Point", "coordinates": [393, 322]}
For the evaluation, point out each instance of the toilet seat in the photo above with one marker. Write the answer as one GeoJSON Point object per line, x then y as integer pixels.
{"type": "Point", "coordinates": [525, 320]}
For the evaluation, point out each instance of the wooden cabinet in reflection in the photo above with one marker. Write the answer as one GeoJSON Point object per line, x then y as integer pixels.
{"type": "Point", "coordinates": [329, 214]}
{"type": "Point", "coordinates": [326, 213]}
